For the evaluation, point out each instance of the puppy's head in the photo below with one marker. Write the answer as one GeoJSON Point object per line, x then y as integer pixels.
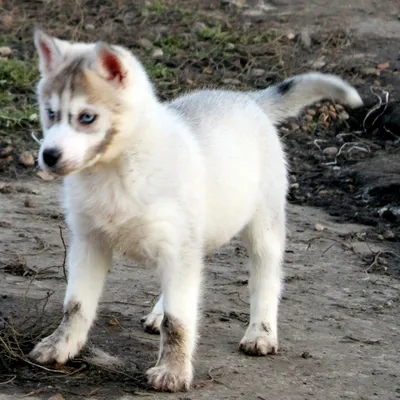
{"type": "Point", "coordinates": [89, 102]}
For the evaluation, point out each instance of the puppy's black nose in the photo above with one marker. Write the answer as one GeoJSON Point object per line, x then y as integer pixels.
{"type": "Point", "coordinates": [51, 156]}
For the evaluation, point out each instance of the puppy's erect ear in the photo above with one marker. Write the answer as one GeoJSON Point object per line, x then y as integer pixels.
{"type": "Point", "coordinates": [50, 56]}
{"type": "Point", "coordinates": [109, 63]}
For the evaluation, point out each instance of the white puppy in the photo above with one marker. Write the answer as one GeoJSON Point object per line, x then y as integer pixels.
{"type": "Point", "coordinates": [165, 183]}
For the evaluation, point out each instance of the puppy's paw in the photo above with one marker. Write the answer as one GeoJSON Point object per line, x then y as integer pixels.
{"type": "Point", "coordinates": [152, 322]}
{"type": "Point", "coordinates": [259, 341]}
{"type": "Point", "coordinates": [170, 378]}
{"type": "Point", "coordinates": [57, 348]}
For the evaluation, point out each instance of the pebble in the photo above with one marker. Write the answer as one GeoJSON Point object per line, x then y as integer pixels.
{"type": "Point", "coordinates": [330, 151]}
{"type": "Point", "coordinates": [294, 186]}
{"type": "Point", "coordinates": [5, 51]}
{"type": "Point", "coordinates": [306, 355]}
{"type": "Point", "coordinates": [45, 176]}
{"type": "Point", "coordinates": [33, 117]}
{"type": "Point", "coordinates": [56, 397]}
{"type": "Point", "coordinates": [319, 227]}
{"type": "Point", "coordinates": [320, 63]}
{"type": "Point", "coordinates": [305, 38]}
{"type": "Point", "coordinates": [370, 71]}
{"type": "Point", "coordinates": [157, 53]}
{"type": "Point", "coordinates": [231, 81]}
{"type": "Point", "coordinates": [291, 36]}
{"type": "Point", "coordinates": [26, 159]}
{"type": "Point", "coordinates": [146, 43]}
{"type": "Point", "coordinates": [339, 107]}
{"type": "Point", "coordinates": [6, 151]}
{"type": "Point", "coordinates": [29, 203]}
{"type": "Point", "coordinates": [380, 237]}
{"type": "Point", "coordinates": [311, 112]}
{"type": "Point", "coordinates": [90, 27]}
{"type": "Point", "coordinates": [323, 109]}
{"type": "Point", "coordinates": [309, 117]}
{"type": "Point", "coordinates": [332, 108]}
{"type": "Point", "coordinates": [323, 192]}
{"type": "Point", "coordinates": [344, 115]}
{"type": "Point", "coordinates": [332, 114]}
{"type": "Point", "coordinates": [257, 72]}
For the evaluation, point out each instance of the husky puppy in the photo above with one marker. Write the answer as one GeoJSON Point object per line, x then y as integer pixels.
{"type": "Point", "coordinates": [165, 184]}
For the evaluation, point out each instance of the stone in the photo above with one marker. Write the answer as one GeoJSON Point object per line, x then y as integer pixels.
{"type": "Point", "coordinates": [157, 53]}
{"type": "Point", "coordinates": [26, 159]}
{"type": "Point", "coordinates": [5, 51]}
{"type": "Point", "coordinates": [330, 151]}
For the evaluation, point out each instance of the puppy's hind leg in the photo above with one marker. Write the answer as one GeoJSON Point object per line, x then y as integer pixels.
{"type": "Point", "coordinates": [152, 321]}
{"type": "Point", "coordinates": [264, 238]}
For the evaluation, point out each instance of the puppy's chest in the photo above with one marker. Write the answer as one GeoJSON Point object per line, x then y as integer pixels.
{"type": "Point", "coordinates": [132, 225]}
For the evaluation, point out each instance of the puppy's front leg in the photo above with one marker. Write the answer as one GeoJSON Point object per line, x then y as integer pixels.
{"type": "Point", "coordinates": [88, 264]}
{"type": "Point", "coordinates": [181, 278]}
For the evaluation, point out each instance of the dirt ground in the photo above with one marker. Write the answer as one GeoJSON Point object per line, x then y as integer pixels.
{"type": "Point", "coordinates": [339, 326]}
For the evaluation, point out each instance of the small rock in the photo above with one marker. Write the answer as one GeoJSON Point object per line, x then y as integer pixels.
{"type": "Point", "coordinates": [290, 36]}
{"type": "Point", "coordinates": [311, 112]}
{"type": "Point", "coordinates": [33, 117]}
{"type": "Point", "coordinates": [26, 159]}
{"type": "Point", "coordinates": [319, 227]}
{"type": "Point", "coordinates": [332, 108]}
{"type": "Point", "coordinates": [318, 105]}
{"type": "Point", "coordinates": [309, 117]}
{"type": "Point", "coordinates": [231, 81]}
{"type": "Point", "coordinates": [330, 151]}
{"type": "Point", "coordinates": [294, 186]}
{"type": "Point", "coordinates": [56, 397]}
{"type": "Point", "coordinates": [146, 43]}
{"type": "Point", "coordinates": [199, 27]}
{"type": "Point", "coordinates": [323, 109]}
{"type": "Point", "coordinates": [320, 63]}
{"type": "Point", "coordinates": [90, 27]}
{"type": "Point", "coordinates": [306, 355]}
{"type": "Point", "coordinates": [157, 53]}
{"type": "Point", "coordinates": [45, 176]}
{"type": "Point", "coordinates": [254, 12]}
{"type": "Point", "coordinates": [323, 192]}
{"type": "Point", "coordinates": [344, 116]}
{"type": "Point", "coordinates": [380, 237]}
{"type": "Point", "coordinates": [5, 51]}
{"type": "Point", "coordinates": [6, 151]}
{"type": "Point", "coordinates": [332, 114]}
{"type": "Point", "coordinates": [339, 107]}
{"type": "Point", "coordinates": [257, 72]}
{"type": "Point", "coordinates": [370, 71]}
{"type": "Point", "coordinates": [29, 203]}
{"type": "Point", "coordinates": [305, 38]}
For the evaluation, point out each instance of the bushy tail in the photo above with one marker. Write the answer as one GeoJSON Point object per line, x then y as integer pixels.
{"type": "Point", "coordinates": [289, 97]}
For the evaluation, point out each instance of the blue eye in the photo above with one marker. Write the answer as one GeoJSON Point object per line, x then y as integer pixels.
{"type": "Point", "coordinates": [51, 114]}
{"type": "Point", "coordinates": [87, 119]}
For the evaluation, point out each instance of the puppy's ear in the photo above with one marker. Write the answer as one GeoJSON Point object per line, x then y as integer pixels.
{"type": "Point", "coordinates": [109, 63]}
{"type": "Point", "coordinates": [50, 56]}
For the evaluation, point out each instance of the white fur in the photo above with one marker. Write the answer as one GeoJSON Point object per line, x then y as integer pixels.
{"type": "Point", "coordinates": [193, 174]}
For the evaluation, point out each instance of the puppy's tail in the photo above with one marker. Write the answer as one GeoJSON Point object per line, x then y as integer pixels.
{"type": "Point", "coordinates": [289, 97]}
